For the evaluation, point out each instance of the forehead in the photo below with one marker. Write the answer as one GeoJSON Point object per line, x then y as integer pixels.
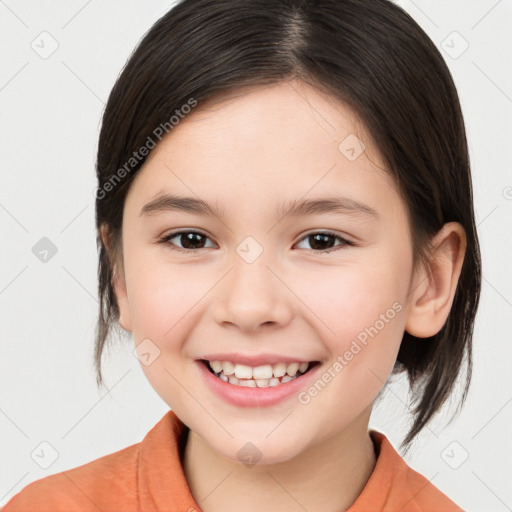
{"type": "Point", "coordinates": [285, 141]}
{"type": "Point", "coordinates": [295, 110]}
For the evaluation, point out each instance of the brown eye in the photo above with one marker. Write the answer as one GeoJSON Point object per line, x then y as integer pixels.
{"type": "Point", "coordinates": [189, 240]}
{"type": "Point", "coordinates": [323, 241]}
{"type": "Point", "coordinates": [186, 241]}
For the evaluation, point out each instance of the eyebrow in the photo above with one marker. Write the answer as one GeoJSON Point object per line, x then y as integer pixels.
{"type": "Point", "coordinates": [296, 208]}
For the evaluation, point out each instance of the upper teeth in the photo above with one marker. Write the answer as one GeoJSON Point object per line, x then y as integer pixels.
{"type": "Point", "coordinates": [266, 371]}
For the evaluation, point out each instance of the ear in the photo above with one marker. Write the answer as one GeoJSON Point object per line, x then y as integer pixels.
{"type": "Point", "coordinates": [435, 282]}
{"type": "Point", "coordinates": [118, 281]}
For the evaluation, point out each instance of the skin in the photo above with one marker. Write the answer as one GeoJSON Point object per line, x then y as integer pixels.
{"type": "Point", "coordinates": [248, 154]}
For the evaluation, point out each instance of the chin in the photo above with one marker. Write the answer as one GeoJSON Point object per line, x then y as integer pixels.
{"type": "Point", "coordinates": [259, 452]}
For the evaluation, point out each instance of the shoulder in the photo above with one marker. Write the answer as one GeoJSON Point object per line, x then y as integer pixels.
{"type": "Point", "coordinates": [425, 494]}
{"type": "Point", "coordinates": [412, 490]}
{"type": "Point", "coordinates": [106, 484]}
{"type": "Point", "coordinates": [394, 485]}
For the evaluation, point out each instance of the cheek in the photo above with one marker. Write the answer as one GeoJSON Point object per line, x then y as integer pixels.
{"type": "Point", "coordinates": [361, 316]}
{"type": "Point", "coordinates": [164, 304]}
{"type": "Point", "coordinates": [162, 296]}
{"type": "Point", "coordinates": [362, 313]}
{"type": "Point", "coordinates": [350, 298]}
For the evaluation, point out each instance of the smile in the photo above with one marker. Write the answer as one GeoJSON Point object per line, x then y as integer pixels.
{"type": "Point", "coordinates": [263, 376]}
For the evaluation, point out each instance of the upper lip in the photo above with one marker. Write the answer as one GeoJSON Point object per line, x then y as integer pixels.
{"type": "Point", "coordinates": [256, 359]}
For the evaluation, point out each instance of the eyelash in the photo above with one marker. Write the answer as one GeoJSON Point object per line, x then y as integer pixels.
{"type": "Point", "coordinates": [167, 238]}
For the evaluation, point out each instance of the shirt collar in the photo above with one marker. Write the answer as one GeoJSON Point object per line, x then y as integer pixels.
{"type": "Point", "coordinates": [161, 480]}
{"type": "Point", "coordinates": [162, 486]}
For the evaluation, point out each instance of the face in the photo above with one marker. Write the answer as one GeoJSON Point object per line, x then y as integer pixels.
{"type": "Point", "coordinates": [249, 283]}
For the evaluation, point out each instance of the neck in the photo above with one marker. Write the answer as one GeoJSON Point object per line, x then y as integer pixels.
{"type": "Point", "coordinates": [328, 476]}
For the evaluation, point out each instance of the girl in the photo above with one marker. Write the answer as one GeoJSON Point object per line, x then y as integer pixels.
{"type": "Point", "coordinates": [285, 219]}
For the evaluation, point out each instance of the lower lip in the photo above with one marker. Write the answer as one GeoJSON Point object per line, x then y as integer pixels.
{"type": "Point", "coordinates": [255, 397]}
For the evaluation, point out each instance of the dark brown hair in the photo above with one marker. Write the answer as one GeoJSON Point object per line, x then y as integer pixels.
{"type": "Point", "coordinates": [371, 55]}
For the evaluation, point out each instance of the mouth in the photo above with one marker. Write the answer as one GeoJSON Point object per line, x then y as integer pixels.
{"type": "Point", "coordinates": [263, 376]}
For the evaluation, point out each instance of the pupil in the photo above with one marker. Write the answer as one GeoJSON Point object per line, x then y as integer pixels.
{"type": "Point", "coordinates": [322, 238]}
{"type": "Point", "coordinates": [189, 240]}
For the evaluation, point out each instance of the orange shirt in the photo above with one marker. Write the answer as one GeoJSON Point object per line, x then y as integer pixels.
{"type": "Point", "coordinates": [148, 477]}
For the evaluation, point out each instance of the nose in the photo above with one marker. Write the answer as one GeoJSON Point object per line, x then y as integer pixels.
{"type": "Point", "coordinates": [253, 295]}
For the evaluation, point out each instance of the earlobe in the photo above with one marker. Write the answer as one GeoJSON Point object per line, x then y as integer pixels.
{"type": "Point", "coordinates": [118, 282]}
{"type": "Point", "coordinates": [435, 283]}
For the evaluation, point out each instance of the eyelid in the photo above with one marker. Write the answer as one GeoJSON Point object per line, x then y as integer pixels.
{"type": "Point", "coordinates": [344, 239]}
{"type": "Point", "coordinates": [344, 236]}
{"type": "Point", "coordinates": [165, 239]}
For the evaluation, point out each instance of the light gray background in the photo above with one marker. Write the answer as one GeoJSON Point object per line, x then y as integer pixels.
{"type": "Point", "coordinates": [51, 109]}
